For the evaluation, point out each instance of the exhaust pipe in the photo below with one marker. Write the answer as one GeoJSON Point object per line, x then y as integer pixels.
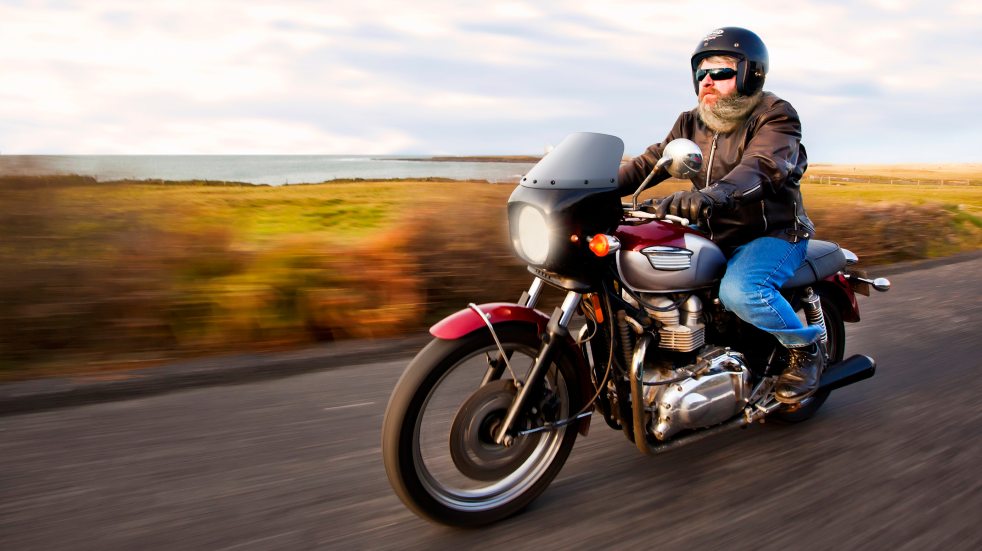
{"type": "Point", "coordinates": [851, 370]}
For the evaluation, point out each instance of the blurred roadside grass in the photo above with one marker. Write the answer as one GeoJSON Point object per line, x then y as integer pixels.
{"type": "Point", "coordinates": [96, 276]}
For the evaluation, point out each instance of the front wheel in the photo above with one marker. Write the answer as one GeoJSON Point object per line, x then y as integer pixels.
{"type": "Point", "coordinates": [437, 436]}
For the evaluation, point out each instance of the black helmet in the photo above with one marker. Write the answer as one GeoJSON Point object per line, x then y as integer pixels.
{"type": "Point", "coordinates": [741, 44]}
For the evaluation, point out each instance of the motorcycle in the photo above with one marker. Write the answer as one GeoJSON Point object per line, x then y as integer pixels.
{"type": "Point", "coordinates": [484, 417]}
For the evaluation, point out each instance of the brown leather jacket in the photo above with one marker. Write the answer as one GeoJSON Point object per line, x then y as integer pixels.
{"type": "Point", "coordinates": [753, 172]}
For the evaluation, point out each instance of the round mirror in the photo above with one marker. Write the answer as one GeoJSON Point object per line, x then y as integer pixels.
{"type": "Point", "coordinates": [682, 158]}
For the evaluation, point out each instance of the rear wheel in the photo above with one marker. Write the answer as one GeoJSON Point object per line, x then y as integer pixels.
{"type": "Point", "coordinates": [836, 331]}
{"type": "Point", "coordinates": [437, 436]}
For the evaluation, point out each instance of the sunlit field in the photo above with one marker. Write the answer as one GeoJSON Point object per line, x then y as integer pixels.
{"type": "Point", "coordinates": [96, 276]}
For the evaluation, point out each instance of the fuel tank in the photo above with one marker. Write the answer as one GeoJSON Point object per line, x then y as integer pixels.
{"type": "Point", "coordinates": [663, 257]}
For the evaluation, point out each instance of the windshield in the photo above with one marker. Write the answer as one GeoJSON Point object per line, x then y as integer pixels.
{"type": "Point", "coordinates": [584, 160]}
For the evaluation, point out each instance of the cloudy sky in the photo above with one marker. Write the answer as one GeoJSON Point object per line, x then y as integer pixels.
{"type": "Point", "coordinates": [873, 80]}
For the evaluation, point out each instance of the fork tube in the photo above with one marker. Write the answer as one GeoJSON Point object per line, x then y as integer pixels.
{"type": "Point", "coordinates": [556, 331]}
{"type": "Point", "coordinates": [531, 297]}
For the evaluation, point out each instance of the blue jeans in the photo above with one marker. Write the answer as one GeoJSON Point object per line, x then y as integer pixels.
{"type": "Point", "coordinates": [749, 289]}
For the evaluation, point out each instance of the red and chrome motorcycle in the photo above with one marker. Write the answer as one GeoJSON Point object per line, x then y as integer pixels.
{"type": "Point", "coordinates": [486, 414]}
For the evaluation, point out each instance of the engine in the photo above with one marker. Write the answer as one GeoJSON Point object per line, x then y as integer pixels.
{"type": "Point", "coordinates": [710, 391]}
{"type": "Point", "coordinates": [680, 326]}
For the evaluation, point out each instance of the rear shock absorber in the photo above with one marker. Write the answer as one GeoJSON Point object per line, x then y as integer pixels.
{"type": "Point", "coordinates": [814, 315]}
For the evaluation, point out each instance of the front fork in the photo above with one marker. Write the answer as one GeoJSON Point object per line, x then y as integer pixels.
{"type": "Point", "coordinates": [556, 330]}
{"type": "Point", "coordinates": [528, 299]}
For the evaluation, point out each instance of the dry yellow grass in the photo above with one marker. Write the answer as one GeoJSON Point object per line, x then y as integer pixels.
{"type": "Point", "coordinates": [96, 274]}
{"type": "Point", "coordinates": [961, 172]}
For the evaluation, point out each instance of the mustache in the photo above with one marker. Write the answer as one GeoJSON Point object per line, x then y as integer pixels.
{"type": "Point", "coordinates": [708, 90]}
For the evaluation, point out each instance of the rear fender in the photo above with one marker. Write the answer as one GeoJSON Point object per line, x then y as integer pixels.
{"type": "Point", "coordinates": [467, 321]}
{"type": "Point", "coordinates": [837, 289]}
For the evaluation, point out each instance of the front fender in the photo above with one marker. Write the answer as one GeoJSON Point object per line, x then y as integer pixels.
{"type": "Point", "coordinates": [467, 321]}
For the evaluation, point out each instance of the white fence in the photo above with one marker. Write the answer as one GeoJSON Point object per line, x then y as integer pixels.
{"type": "Point", "coordinates": [838, 180]}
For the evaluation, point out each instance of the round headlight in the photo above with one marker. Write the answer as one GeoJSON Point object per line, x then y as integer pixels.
{"type": "Point", "coordinates": [533, 234]}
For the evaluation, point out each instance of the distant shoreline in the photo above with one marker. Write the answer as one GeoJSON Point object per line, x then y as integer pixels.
{"type": "Point", "coordinates": [479, 159]}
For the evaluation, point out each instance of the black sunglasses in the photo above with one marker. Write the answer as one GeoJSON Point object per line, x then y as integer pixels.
{"type": "Point", "coordinates": [720, 73]}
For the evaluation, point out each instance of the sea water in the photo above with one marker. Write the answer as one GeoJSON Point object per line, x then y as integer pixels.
{"type": "Point", "coordinates": [259, 169]}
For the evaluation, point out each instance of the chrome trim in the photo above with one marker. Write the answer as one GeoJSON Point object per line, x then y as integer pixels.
{"type": "Point", "coordinates": [637, 403]}
{"type": "Point", "coordinates": [537, 370]}
{"type": "Point", "coordinates": [881, 284]}
{"type": "Point", "coordinates": [637, 393]}
{"type": "Point", "coordinates": [757, 412]}
{"type": "Point", "coordinates": [534, 291]}
{"type": "Point", "coordinates": [762, 389]}
{"type": "Point", "coordinates": [677, 219]}
{"type": "Point", "coordinates": [668, 259]}
{"type": "Point", "coordinates": [851, 257]}
{"type": "Point", "coordinates": [613, 243]}
{"type": "Point", "coordinates": [569, 306]}
{"type": "Point", "coordinates": [812, 306]}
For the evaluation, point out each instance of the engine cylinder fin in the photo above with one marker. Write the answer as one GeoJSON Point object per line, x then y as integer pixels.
{"type": "Point", "coordinates": [682, 338]}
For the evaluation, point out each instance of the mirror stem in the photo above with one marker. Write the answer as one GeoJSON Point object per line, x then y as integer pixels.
{"type": "Point", "coordinates": [661, 162]}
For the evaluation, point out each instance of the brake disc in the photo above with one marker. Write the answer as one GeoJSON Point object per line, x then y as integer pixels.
{"type": "Point", "coordinates": [472, 445]}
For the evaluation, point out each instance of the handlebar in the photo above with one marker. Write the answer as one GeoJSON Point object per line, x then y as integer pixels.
{"type": "Point", "coordinates": [649, 211]}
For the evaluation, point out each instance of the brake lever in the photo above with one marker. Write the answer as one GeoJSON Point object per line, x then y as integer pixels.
{"type": "Point", "coordinates": [648, 212]}
{"type": "Point", "coordinates": [677, 219]}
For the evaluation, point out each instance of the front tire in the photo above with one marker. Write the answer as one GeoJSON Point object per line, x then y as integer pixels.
{"type": "Point", "coordinates": [437, 446]}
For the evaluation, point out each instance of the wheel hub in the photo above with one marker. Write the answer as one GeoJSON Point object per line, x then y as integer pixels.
{"type": "Point", "coordinates": [472, 446]}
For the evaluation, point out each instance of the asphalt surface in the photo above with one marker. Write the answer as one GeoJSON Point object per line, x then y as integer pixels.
{"type": "Point", "coordinates": [294, 463]}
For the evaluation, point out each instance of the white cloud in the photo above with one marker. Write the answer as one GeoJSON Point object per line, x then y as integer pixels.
{"type": "Point", "coordinates": [375, 76]}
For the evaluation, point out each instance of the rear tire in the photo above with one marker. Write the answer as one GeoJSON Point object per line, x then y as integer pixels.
{"type": "Point", "coordinates": [836, 332]}
{"type": "Point", "coordinates": [432, 457]}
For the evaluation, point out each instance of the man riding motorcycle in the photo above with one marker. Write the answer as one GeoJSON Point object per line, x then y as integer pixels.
{"type": "Point", "coordinates": [747, 196]}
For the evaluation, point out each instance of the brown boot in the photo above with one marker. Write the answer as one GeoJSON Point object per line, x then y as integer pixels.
{"type": "Point", "coordinates": [800, 379]}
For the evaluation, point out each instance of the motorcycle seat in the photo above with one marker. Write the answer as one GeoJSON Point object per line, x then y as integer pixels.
{"type": "Point", "coordinates": [822, 259]}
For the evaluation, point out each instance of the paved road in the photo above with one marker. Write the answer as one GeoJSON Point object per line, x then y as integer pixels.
{"type": "Point", "coordinates": [893, 462]}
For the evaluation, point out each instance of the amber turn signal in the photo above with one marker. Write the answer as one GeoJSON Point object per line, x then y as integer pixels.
{"type": "Point", "coordinates": [602, 245]}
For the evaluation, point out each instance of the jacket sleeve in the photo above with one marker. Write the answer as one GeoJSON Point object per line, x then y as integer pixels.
{"type": "Point", "coordinates": [769, 157]}
{"type": "Point", "coordinates": [633, 172]}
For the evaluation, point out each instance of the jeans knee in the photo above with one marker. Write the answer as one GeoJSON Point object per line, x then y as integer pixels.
{"type": "Point", "coordinates": [732, 293]}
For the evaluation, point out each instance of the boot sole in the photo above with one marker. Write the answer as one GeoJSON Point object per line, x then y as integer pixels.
{"type": "Point", "coordinates": [796, 399]}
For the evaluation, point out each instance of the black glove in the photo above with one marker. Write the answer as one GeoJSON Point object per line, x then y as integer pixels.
{"type": "Point", "coordinates": [686, 204]}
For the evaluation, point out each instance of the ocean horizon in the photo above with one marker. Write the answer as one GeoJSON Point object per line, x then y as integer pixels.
{"type": "Point", "coordinates": [261, 169]}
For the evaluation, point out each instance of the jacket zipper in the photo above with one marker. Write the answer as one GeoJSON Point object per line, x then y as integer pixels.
{"type": "Point", "coordinates": [709, 174]}
{"type": "Point", "coordinates": [712, 153]}
{"type": "Point", "coordinates": [763, 213]}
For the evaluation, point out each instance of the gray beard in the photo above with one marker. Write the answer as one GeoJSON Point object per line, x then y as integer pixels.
{"type": "Point", "coordinates": [727, 114]}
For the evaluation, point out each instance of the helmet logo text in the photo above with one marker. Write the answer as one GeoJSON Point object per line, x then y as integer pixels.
{"type": "Point", "coordinates": [713, 35]}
